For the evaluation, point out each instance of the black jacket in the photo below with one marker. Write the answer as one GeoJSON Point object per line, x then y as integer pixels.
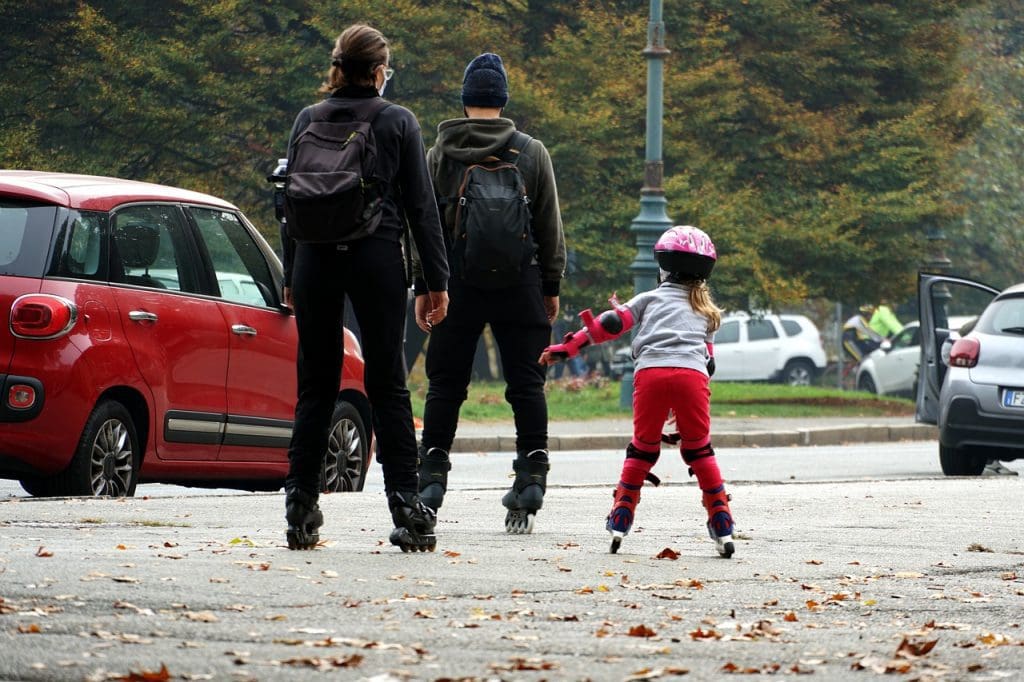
{"type": "Point", "coordinates": [402, 166]}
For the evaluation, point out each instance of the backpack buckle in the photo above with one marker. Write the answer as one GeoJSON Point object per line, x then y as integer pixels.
{"type": "Point", "coordinates": [462, 201]}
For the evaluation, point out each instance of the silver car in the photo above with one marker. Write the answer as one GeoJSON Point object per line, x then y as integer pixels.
{"type": "Point", "coordinates": [978, 400]}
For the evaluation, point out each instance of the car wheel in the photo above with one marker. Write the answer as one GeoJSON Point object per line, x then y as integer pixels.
{"type": "Point", "coordinates": [798, 373]}
{"type": "Point", "coordinates": [347, 444]}
{"type": "Point", "coordinates": [959, 462]}
{"type": "Point", "coordinates": [107, 460]}
{"type": "Point", "coordinates": [867, 384]}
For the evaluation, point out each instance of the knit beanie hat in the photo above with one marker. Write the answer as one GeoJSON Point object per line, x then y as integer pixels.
{"type": "Point", "coordinates": [485, 83]}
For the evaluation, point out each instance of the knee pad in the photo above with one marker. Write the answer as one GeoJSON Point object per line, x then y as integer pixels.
{"type": "Point", "coordinates": [692, 455]}
{"type": "Point", "coordinates": [649, 459]}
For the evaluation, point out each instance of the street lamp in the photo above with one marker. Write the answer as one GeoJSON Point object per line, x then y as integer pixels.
{"type": "Point", "coordinates": [652, 220]}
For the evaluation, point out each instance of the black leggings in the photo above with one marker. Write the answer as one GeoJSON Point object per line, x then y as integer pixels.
{"type": "Point", "coordinates": [371, 273]}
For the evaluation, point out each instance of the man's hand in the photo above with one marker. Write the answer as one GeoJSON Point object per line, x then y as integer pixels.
{"type": "Point", "coordinates": [286, 296]}
{"type": "Point", "coordinates": [431, 309]}
{"type": "Point", "coordinates": [551, 308]}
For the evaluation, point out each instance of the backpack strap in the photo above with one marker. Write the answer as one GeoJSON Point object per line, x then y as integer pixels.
{"type": "Point", "coordinates": [510, 153]}
{"type": "Point", "coordinates": [514, 147]}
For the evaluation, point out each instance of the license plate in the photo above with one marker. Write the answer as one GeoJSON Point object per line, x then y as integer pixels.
{"type": "Point", "coordinates": [1013, 398]}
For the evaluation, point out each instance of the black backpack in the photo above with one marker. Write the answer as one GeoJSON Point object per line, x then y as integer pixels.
{"type": "Point", "coordinates": [492, 240]}
{"type": "Point", "coordinates": [330, 192]}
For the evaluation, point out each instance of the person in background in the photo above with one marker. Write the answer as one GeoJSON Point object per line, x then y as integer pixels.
{"type": "Point", "coordinates": [370, 271]}
{"type": "Point", "coordinates": [674, 352]}
{"type": "Point", "coordinates": [859, 338]}
{"type": "Point", "coordinates": [884, 322]}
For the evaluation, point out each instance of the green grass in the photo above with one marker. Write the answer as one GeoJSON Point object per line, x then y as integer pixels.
{"type": "Point", "coordinates": [575, 399]}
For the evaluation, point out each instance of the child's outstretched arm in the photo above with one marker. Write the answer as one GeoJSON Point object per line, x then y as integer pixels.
{"type": "Point", "coordinates": [611, 324]}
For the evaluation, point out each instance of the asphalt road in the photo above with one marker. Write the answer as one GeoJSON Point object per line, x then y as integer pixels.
{"type": "Point", "coordinates": [851, 562]}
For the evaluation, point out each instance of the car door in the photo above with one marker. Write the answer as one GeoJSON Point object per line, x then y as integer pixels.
{"type": "Point", "coordinates": [939, 298]}
{"type": "Point", "coordinates": [178, 339]}
{"type": "Point", "coordinates": [261, 379]}
{"type": "Point", "coordinates": [762, 355]}
{"type": "Point", "coordinates": [895, 367]}
{"type": "Point", "coordinates": [728, 359]}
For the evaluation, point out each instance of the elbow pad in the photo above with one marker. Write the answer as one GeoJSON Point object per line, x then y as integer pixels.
{"type": "Point", "coordinates": [610, 325]}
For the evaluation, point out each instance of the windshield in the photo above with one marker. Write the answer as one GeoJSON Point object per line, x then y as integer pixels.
{"type": "Point", "coordinates": [25, 232]}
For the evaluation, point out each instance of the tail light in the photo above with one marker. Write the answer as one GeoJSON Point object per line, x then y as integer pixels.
{"type": "Point", "coordinates": [964, 352]}
{"type": "Point", "coordinates": [42, 316]}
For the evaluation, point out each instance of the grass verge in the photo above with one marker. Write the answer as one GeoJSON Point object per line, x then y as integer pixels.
{"type": "Point", "coordinates": [600, 398]}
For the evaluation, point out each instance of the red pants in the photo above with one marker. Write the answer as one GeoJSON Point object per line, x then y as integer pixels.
{"type": "Point", "coordinates": [656, 390]}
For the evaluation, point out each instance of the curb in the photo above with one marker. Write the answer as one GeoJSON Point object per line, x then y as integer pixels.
{"type": "Point", "coordinates": [828, 435]}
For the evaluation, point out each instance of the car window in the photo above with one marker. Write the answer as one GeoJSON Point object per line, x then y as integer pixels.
{"type": "Point", "coordinates": [729, 332]}
{"type": "Point", "coordinates": [1006, 313]}
{"type": "Point", "coordinates": [149, 248]}
{"type": "Point", "coordinates": [909, 337]}
{"type": "Point", "coordinates": [760, 330]}
{"type": "Point", "coordinates": [25, 233]}
{"type": "Point", "coordinates": [242, 272]}
{"type": "Point", "coordinates": [791, 327]}
{"type": "Point", "coordinates": [83, 252]}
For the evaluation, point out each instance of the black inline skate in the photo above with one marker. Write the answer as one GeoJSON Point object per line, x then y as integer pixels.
{"type": "Point", "coordinates": [527, 493]}
{"type": "Point", "coordinates": [434, 466]}
{"type": "Point", "coordinates": [414, 522]}
{"type": "Point", "coordinates": [304, 518]}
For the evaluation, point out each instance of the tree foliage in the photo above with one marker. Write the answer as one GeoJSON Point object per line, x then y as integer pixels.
{"type": "Point", "coordinates": [988, 242]}
{"type": "Point", "coordinates": [813, 141]}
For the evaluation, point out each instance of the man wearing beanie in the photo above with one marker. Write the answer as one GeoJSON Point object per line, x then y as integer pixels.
{"type": "Point", "coordinates": [520, 311]}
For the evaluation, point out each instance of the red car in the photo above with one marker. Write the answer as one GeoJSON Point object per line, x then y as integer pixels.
{"type": "Point", "coordinates": [146, 341]}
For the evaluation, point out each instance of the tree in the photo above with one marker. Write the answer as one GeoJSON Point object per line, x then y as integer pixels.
{"type": "Point", "coordinates": [988, 243]}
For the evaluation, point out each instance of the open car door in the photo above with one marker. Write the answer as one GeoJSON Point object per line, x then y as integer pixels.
{"type": "Point", "coordinates": [939, 298]}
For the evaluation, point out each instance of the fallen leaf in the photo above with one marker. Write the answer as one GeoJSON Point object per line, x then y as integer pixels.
{"type": "Point", "coordinates": [161, 675]}
{"type": "Point", "coordinates": [790, 617]}
{"type": "Point", "coordinates": [29, 629]}
{"type": "Point", "coordinates": [699, 634]}
{"type": "Point", "coordinates": [667, 553]}
{"type": "Point", "coordinates": [910, 649]}
{"type": "Point", "coordinates": [641, 631]}
{"type": "Point", "coordinates": [814, 562]}
{"type": "Point", "coordinates": [43, 552]}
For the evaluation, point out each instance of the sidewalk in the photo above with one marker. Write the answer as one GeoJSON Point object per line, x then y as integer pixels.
{"type": "Point", "coordinates": [611, 434]}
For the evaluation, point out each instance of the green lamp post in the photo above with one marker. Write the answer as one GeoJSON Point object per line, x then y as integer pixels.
{"type": "Point", "coordinates": [653, 218]}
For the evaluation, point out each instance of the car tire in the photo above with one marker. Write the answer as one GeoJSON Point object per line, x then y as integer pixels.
{"type": "Point", "coordinates": [798, 373]}
{"type": "Point", "coordinates": [959, 462]}
{"type": "Point", "coordinates": [867, 384]}
{"type": "Point", "coordinates": [106, 462]}
{"type": "Point", "coordinates": [37, 486]}
{"type": "Point", "coordinates": [344, 466]}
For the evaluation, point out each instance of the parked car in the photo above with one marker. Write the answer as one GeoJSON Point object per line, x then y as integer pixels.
{"type": "Point", "coordinates": [892, 369]}
{"type": "Point", "coordinates": [977, 401]}
{"type": "Point", "coordinates": [146, 341]}
{"type": "Point", "coordinates": [780, 348]}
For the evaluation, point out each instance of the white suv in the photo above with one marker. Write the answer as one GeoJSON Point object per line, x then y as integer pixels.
{"type": "Point", "coordinates": [781, 348]}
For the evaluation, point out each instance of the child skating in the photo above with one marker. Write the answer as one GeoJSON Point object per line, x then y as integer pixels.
{"type": "Point", "coordinates": [674, 359]}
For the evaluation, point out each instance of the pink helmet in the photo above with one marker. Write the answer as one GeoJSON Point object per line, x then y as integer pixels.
{"type": "Point", "coordinates": [686, 252]}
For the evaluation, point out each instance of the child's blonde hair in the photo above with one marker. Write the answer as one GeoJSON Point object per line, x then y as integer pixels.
{"type": "Point", "coordinates": [701, 302]}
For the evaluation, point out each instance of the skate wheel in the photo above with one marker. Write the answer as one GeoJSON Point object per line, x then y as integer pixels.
{"type": "Point", "coordinates": [302, 541]}
{"type": "Point", "coordinates": [727, 550]}
{"type": "Point", "coordinates": [616, 543]}
{"type": "Point", "coordinates": [519, 522]}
